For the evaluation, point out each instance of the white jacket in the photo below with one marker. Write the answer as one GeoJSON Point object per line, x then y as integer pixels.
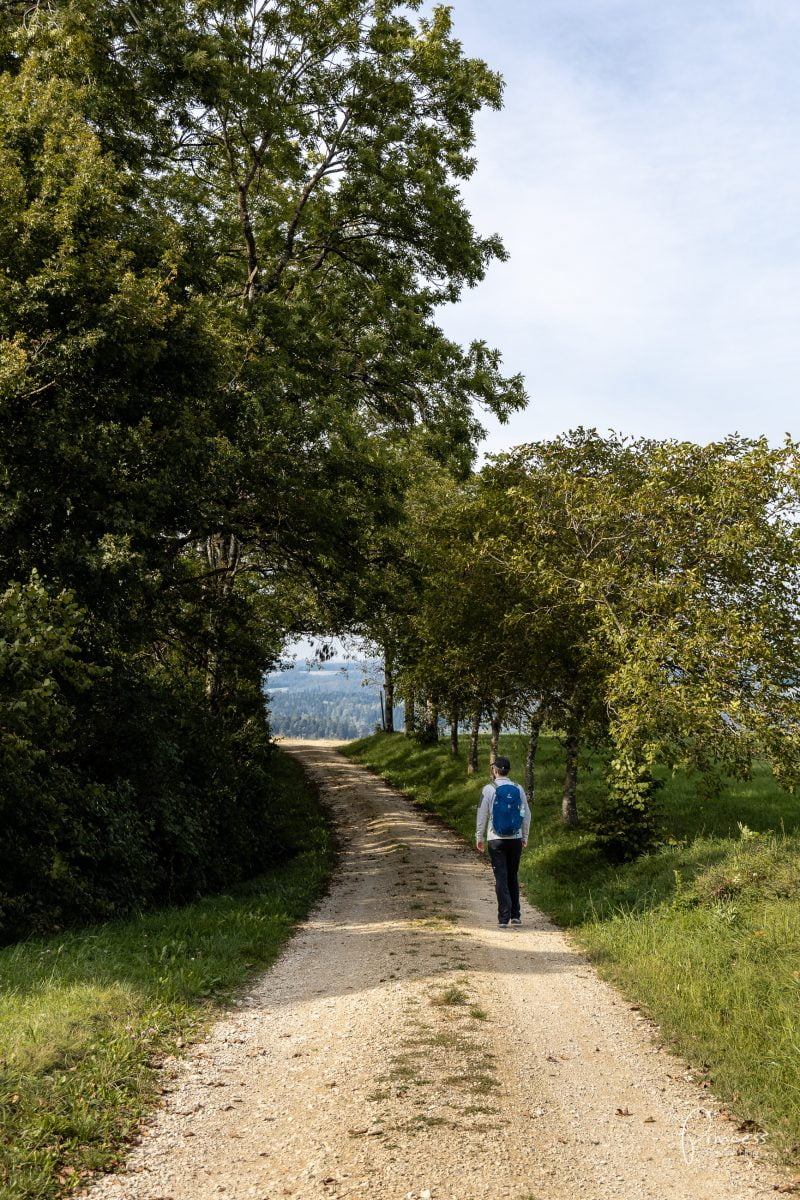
{"type": "Point", "coordinates": [485, 814]}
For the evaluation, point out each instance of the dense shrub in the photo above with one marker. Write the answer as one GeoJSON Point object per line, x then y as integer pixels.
{"type": "Point", "coordinates": [626, 821]}
{"type": "Point", "coordinates": [119, 789]}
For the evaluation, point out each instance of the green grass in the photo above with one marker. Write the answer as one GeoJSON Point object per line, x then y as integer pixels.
{"type": "Point", "coordinates": [704, 934]}
{"type": "Point", "coordinates": [85, 1018]}
{"type": "Point", "coordinates": [452, 996]}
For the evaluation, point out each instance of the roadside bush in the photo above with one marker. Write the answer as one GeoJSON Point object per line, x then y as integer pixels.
{"type": "Point", "coordinates": [627, 821]}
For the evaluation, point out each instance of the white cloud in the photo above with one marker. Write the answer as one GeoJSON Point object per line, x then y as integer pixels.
{"type": "Point", "coordinates": [645, 180]}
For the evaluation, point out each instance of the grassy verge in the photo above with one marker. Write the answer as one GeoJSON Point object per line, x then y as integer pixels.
{"type": "Point", "coordinates": [86, 1018]}
{"type": "Point", "coordinates": [704, 934]}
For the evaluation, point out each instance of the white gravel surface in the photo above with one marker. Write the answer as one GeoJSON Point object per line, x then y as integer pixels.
{"type": "Point", "coordinates": [405, 1048]}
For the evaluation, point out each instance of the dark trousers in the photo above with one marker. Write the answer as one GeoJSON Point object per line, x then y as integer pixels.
{"type": "Point", "coordinates": [504, 854]}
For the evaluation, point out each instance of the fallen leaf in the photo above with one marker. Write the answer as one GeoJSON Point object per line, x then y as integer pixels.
{"type": "Point", "coordinates": [624, 1112]}
{"type": "Point", "coordinates": [649, 1121]}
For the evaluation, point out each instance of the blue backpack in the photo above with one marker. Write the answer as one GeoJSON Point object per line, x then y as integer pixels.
{"type": "Point", "coordinates": [508, 811]}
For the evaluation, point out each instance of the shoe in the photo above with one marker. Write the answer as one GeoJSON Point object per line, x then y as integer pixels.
{"type": "Point", "coordinates": [502, 924]}
{"type": "Point", "coordinates": [516, 920]}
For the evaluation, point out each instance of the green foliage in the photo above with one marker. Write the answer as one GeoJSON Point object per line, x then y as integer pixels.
{"type": "Point", "coordinates": [40, 670]}
{"type": "Point", "coordinates": [680, 565]}
{"type": "Point", "coordinates": [100, 837]}
{"type": "Point", "coordinates": [626, 821]}
{"type": "Point", "coordinates": [39, 662]}
{"type": "Point", "coordinates": [634, 593]}
{"type": "Point", "coordinates": [85, 1017]}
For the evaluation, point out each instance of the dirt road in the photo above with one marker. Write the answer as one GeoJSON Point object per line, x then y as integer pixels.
{"type": "Point", "coordinates": [405, 1047]}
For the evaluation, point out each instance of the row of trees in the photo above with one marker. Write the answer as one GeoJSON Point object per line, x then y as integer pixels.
{"type": "Point", "coordinates": [225, 229]}
{"type": "Point", "coordinates": [639, 595]}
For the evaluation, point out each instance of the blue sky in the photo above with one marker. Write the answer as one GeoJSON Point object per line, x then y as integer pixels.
{"type": "Point", "coordinates": [644, 175]}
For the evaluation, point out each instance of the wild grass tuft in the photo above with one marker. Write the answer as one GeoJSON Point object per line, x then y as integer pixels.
{"type": "Point", "coordinates": [758, 866]}
{"type": "Point", "coordinates": [451, 996]}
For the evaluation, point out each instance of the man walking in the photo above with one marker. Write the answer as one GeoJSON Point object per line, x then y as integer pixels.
{"type": "Point", "coordinates": [505, 804]}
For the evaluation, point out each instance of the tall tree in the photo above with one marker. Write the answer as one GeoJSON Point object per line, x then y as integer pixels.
{"type": "Point", "coordinates": [226, 231]}
{"type": "Point", "coordinates": [679, 564]}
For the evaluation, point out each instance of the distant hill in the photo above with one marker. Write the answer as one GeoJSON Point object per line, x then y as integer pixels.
{"type": "Point", "coordinates": [330, 700]}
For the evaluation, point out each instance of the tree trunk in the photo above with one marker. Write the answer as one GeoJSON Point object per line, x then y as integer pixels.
{"type": "Point", "coordinates": [223, 554]}
{"type": "Point", "coordinates": [474, 731]}
{"type": "Point", "coordinates": [454, 732]}
{"type": "Point", "coordinates": [430, 728]}
{"type": "Point", "coordinates": [534, 730]}
{"type": "Point", "coordinates": [388, 691]}
{"type": "Point", "coordinates": [569, 803]}
{"type": "Point", "coordinates": [496, 726]}
{"type": "Point", "coordinates": [410, 717]}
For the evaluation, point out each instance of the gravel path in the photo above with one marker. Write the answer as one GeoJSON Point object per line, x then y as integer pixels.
{"type": "Point", "coordinates": [405, 1048]}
